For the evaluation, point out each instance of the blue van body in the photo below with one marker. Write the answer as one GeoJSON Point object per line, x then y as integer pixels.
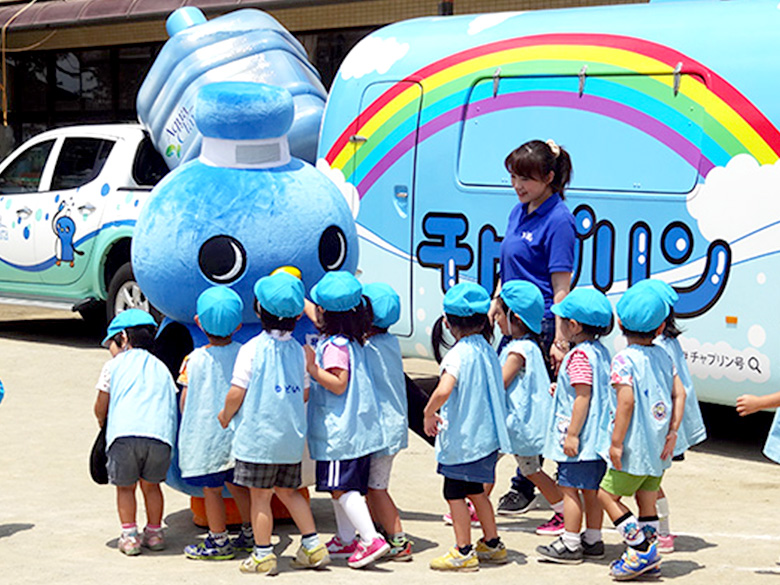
{"type": "Point", "coordinates": [669, 111]}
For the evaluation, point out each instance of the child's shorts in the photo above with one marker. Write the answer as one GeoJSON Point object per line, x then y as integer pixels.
{"type": "Point", "coordinates": [265, 476]}
{"type": "Point", "coordinates": [457, 489]}
{"type": "Point", "coordinates": [210, 480]}
{"type": "Point", "coordinates": [620, 483]}
{"type": "Point", "coordinates": [581, 475]}
{"type": "Point", "coordinates": [479, 471]}
{"type": "Point", "coordinates": [346, 475]}
{"type": "Point", "coordinates": [134, 458]}
{"type": "Point", "coordinates": [379, 473]}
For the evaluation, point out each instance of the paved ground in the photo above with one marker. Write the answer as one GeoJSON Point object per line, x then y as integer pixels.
{"type": "Point", "coordinates": [56, 526]}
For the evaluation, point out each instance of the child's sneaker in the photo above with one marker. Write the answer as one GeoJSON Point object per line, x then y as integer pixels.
{"type": "Point", "coordinates": [315, 558]}
{"type": "Point", "coordinates": [338, 550]}
{"type": "Point", "coordinates": [366, 554]}
{"type": "Point", "coordinates": [491, 554]}
{"type": "Point", "coordinates": [513, 503]}
{"type": "Point", "coordinates": [265, 565]}
{"type": "Point", "coordinates": [558, 552]}
{"type": "Point", "coordinates": [474, 518]}
{"type": "Point", "coordinates": [129, 544]}
{"type": "Point", "coordinates": [209, 550]}
{"type": "Point", "coordinates": [553, 527]}
{"type": "Point", "coordinates": [665, 543]}
{"type": "Point", "coordinates": [453, 560]}
{"type": "Point", "coordinates": [153, 539]}
{"type": "Point", "coordinates": [593, 551]}
{"type": "Point", "coordinates": [243, 543]}
{"type": "Point", "coordinates": [400, 550]}
{"type": "Point", "coordinates": [634, 563]}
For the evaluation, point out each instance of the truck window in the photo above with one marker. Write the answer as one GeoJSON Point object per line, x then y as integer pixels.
{"type": "Point", "coordinates": [80, 161]}
{"type": "Point", "coordinates": [23, 175]}
{"type": "Point", "coordinates": [624, 133]}
{"type": "Point", "coordinates": [149, 166]}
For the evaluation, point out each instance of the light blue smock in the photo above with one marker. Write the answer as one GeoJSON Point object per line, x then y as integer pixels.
{"type": "Point", "coordinates": [772, 446]}
{"type": "Point", "coordinates": [346, 426]}
{"type": "Point", "coordinates": [142, 398]}
{"type": "Point", "coordinates": [528, 399]}
{"type": "Point", "coordinates": [383, 355]}
{"type": "Point", "coordinates": [271, 423]}
{"type": "Point", "coordinates": [204, 446]}
{"type": "Point", "coordinates": [692, 430]}
{"type": "Point", "coordinates": [474, 416]}
{"type": "Point", "coordinates": [563, 405]}
{"type": "Point", "coordinates": [652, 371]}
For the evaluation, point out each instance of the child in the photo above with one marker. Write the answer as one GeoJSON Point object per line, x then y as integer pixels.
{"type": "Point", "coordinates": [581, 399]}
{"type": "Point", "coordinates": [471, 427]}
{"type": "Point", "coordinates": [647, 410]}
{"type": "Point", "coordinates": [519, 315]}
{"type": "Point", "coordinates": [692, 430]}
{"type": "Point", "coordinates": [383, 355]}
{"type": "Point", "coordinates": [204, 446]}
{"type": "Point", "coordinates": [344, 428]}
{"type": "Point", "coordinates": [268, 388]}
{"type": "Point", "coordinates": [137, 394]}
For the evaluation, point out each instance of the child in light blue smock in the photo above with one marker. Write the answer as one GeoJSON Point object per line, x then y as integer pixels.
{"type": "Point", "coordinates": [344, 419]}
{"type": "Point", "coordinates": [383, 353]}
{"type": "Point", "coordinates": [138, 395]}
{"type": "Point", "coordinates": [573, 439]}
{"type": "Point", "coordinates": [204, 446]}
{"type": "Point", "coordinates": [467, 415]}
{"type": "Point", "coordinates": [692, 430]}
{"type": "Point", "coordinates": [646, 412]}
{"type": "Point", "coordinates": [267, 393]}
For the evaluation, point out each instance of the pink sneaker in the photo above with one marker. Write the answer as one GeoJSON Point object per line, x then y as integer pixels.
{"type": "Point", "coordinates": [474, 518]}
{"type": "Point", "coordinates": [553, 527]}
{"type": "Point", "coordinates": [338, 550]}
{"type": "Point", "coordinates": [666, 544]}
{"type": "Point", "coordinates": [368, 554]}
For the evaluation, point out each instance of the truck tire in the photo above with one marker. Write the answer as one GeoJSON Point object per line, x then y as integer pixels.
{"type": "Point", "coordinates": [124, 293]}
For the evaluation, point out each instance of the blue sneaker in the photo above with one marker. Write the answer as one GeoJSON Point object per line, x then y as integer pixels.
{"type": "Point", "coordinates": [208, 550]}
{"type": "Point", "coordinates": [243, 542]}
{"type": "Point", "coordinates": [634, 563]}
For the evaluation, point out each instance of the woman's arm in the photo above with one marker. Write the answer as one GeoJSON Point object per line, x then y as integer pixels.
{"type": "Point", "coordinates": [561, 284]}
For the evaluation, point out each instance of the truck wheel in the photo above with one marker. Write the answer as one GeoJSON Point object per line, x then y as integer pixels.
{"type": "Point", "coordinates": [124, 293]}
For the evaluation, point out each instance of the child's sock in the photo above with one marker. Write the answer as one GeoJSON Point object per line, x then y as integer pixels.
{"type": "Point", "coordinates": [246, 530]}
{"type": "Point", "coordinates": [557, 507]}
{"type": "Point", "coordinates": [153, 528]}
{"type": "Point", "coordinates": [571, 540]}
{"type": "Point", "coordinates": [398, 537]}
{"type": "Point", "coordinates": [662, 508]}
{"type": "Point", "coordinates": [344, 527]}
{"type": "Point", "coordinates": [628, 527]}
{"type": "Point", "coordinates": [493, 542]}
{"type": "Point", "coordinates": [130, 529]}
{"type": "Point", "coordinates": [649, 526]}
{"type": "Point", "coordinates": [465, 550]}
{"type": "Point", "coordinates": [310, 541]}
{"type": "Point", "coordinates": [219, 538]}
{"type": "Point", "coordinates": [356, 509]}
{"type": "Point", "coordinates": [262, 550]}
{"type": "Point", "coordinates": [591, 536]}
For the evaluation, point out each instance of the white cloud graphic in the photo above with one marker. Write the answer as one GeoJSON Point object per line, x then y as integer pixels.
{"type": "Point", "coordinates": [737, 199]}
{"type": "Point", "coordinates": [716, 360]}
{"type": "Point", "coordinates": [372, 55]}
{"type": "Point", "coordinates": [484, 22]}
{"type": "Point", "coordinates": [349, 191]}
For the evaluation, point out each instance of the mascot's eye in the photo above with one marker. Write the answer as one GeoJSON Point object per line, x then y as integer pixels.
{"type": "Point", "coordinates": [222, 259]}
{"type": "Point", "coordinates": [333, 248]}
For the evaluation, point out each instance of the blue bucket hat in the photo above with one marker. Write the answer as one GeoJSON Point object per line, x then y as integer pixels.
{"type": "Point", "coordinates": [337, 292]}
{"type": "Point", "coordinates": [642, 309]}
{"type": "Point", "coordinates": [280, 294]}
{"type": "Point", "coordinates": [525, 300]}
{"type": "Point", "coordinates": [385, 302]}
{"type": "Point", "coordinates": [466, 299]}
{"type": "Point", "coordinates": [219, 310]}
{"type": "Point", "coordinates": [585, 305]}
{"type": "Point", "coordinates": [125, 320]}
{"type": "Point", "coordinates": [665, 290]}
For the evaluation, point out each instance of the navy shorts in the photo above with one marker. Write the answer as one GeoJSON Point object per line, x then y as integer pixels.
{"type": "Point", "coordinates": [344, 476]}
{"type": "Point", "coordinates": [210, 480]}
{"type": "Point", "coordinates": [479, 471]}
{"type": "Point", "coordinates": [581, 475]}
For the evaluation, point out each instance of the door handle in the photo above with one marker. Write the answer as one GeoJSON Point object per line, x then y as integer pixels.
{"type": "Point", "coordinates": [24, 212]}
{"type": "Point", "coordinates": [87, 208]}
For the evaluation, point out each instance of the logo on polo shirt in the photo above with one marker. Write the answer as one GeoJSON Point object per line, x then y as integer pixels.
{"type": "Point", "coordinates": [527, 236]}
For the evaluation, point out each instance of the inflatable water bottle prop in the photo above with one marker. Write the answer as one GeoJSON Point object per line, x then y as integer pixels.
{"type": "Point", "coordinates": [241, 210]}
{"type": "Point", "coordinates": [246, 45]}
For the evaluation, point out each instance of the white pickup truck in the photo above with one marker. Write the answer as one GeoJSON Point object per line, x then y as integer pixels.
{"type": "Point", "coordinates": [69, 199]}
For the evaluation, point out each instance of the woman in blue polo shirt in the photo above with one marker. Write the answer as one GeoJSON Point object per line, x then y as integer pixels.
{"type": "Point", "coordinates": [538, 246]}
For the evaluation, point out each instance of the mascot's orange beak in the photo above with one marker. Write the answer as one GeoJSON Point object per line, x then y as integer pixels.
{"type": "Point", "coordinates": [289, 270]}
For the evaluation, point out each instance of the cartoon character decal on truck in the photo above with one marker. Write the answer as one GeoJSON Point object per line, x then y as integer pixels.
{"type": "Point", "coordinates": [65, 231]}
{"type": "Point", "coordinates": [664, 129]}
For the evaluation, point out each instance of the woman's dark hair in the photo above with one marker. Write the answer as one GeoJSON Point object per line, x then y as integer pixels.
{"type": "Point", "coordinates": [477, 322]}
{"type": "Point", "coordinates": [513, 319]}
{"type": "Point", "coordinates": [536, 159]}
{"type": "Point", "coordinates": [141, 337]}
{"type": "Point", "coordinates": [595, 331]}
{"type": "Point", "coordinates": [353, 324]}
{"type": "Point", "coordinates": [271, 321]}
{"type": "Point", "coordinates": [671, 329]}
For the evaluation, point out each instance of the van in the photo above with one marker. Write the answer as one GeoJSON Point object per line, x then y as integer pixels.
{"type": "Point", "coordinates": [669, 111]}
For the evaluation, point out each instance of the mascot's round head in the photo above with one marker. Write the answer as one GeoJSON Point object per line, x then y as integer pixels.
{"type": "Point", "coordinates": [244, 208]}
